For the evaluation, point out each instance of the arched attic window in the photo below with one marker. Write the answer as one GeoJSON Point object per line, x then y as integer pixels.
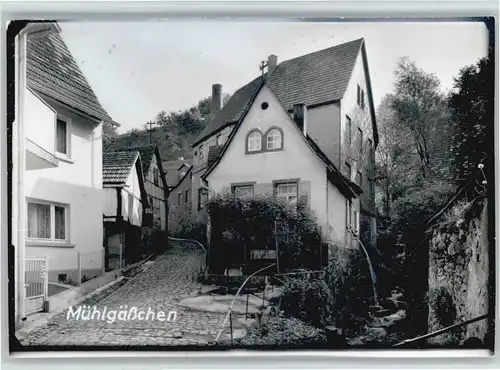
{"type": "Point", "coordinates": [274, 139]}
{"type": "Point", "coordinates": [254, 141]}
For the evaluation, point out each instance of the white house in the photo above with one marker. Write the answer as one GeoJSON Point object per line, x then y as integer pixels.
{"type": "Point", "coordinates": [57, 170]}
{"type": "Point", "coordinates": [270, 152]}
{"type": "Point", "coordinates": [125, 203]}
{"type": "Point", "coordinates": [330, 92]}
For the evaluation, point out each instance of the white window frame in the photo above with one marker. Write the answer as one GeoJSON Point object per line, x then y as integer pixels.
{"type": "Point", "coordinates": [67, 155]}
{"type": "Point", "coordinates": [276, 134]}
{"type": "Point", "coordinates": [355, 222]}
{"type": "Point", "coordinates": [288, 195]}
{"type": "Point", "coordinates": [243, 187]}
{"type": "Point", "coordinates": [255, 137]}
{"type": "Point", "coordinates": [52, 238]}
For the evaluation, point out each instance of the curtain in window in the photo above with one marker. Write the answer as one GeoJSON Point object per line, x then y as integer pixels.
{"type": "Point", "coordinates": [61, 136]}
{"type": "Point", "coordinates": [38, 221]}
{"type": "Point", "coordinates": [60, 223]}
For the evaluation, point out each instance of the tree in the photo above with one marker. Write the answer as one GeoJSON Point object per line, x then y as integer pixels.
{"type": "Point", "coordinates": [396, 167]}
{"type": "Point", "coordinates": [174, 132]}
{"type": "Point", "coordinates": [421, 107]}
{"type": "Point", "coordinates": [109, 135]}
{"type": "Point", "coordinates": [472, 107]}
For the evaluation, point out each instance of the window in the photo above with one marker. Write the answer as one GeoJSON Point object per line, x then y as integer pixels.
{"type": "Point", "coordinates": [186, 195]}
{"type": "Point", "coordinates": [47, 221]}
{"type": "Point", "coordinates": [287, 191]}
{"type": "Point", "coordinates": [155, 176]}
{"type": "Point", "coordinates": [347, 171]}
{"type": "Point", "coordinates": [243, 191]}
{"type": "Point", "coordinates": [179, 198]}
{"type": "Point", "coordinates": [362, 99]}
{"type": "Point", "coordinates": [201, 151]}
{"type": "Point", "coordinates": [348, 128]}
{"type": "Point", "coordinates": [202, 197]}
{"type": "Point", "coordinates": [359, 179]}
{"type": "Point", "coordinates": [274, 139]}
{"type": "Point", "coordinates": [254, 142]}
{"type": "Point", "coordinates": [358, 98]}
{"type": "Point", "coordinates": [62, 136]}
{"type": "Point", "coordinates": [219, 139]}
{"type": "Point", "coordinates": [360, 140]}
{"type": "Point", "coordinates": [355, 222]}
{"type": "Point", "coordinates": [347, 213]}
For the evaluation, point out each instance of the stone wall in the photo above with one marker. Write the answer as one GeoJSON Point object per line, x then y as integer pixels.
{"type": "Point", "coordinates": [458, 273]}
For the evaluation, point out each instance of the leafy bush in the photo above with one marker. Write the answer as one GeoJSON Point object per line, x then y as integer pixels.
{"type": "Point", "coordinates": [441, 302]}
{"type": "Point", "coordinates": [308, 300]}
{"type": "Point", "coordinates": [181, 224]}
{"type": "Point", "coordinates": [418, 204]}
{"type": "Point", "coordinates": [153, 239]}
{"type": "Point", "coordinates": [348, 278]}
{"type": "Point", "coordinates": [283, 332]}
{"type": "Point", "coordinates": [240, 225]}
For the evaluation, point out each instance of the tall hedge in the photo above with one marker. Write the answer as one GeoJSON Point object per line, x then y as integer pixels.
{"type": "Point", "coordinates": [239, 225]}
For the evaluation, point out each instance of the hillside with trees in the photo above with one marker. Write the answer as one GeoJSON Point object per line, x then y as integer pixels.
{"type": "Point", "coordinates": [173, 132]}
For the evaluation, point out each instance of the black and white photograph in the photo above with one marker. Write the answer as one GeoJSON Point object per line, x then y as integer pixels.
{"type": "Point", "coordinates": [218, 184]}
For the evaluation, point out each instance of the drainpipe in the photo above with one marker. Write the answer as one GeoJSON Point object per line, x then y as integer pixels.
{"type": "Point", "coordinates": [20, 167]}
{"type": "Point", "coordinates": [212, 191]}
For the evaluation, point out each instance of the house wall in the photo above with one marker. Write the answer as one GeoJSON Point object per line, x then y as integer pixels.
{"type": "Point", "coordinates": [296, 160]}
{"type": "Point", "coordinates": [323, 126]}
{"type": "Point", "coordinates": [110, 202]}
{"type": "Point", "coordinates": [181, 188]}
{"type": "Point", "coordinates": [132, 206]}
{"type": "Point", "coordinates": [360, 158]}
{"type": "Point", "coordinates": [40, 122]}
{"type": "Point", "coordinates": [156, 194]}
{"type": "Point", "coordinates": [77, 183]}
{"type": "Point", "coordinates": [200, 162]}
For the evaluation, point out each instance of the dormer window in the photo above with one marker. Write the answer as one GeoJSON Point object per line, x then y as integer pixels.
{"type": "Point", "coordinates": [274, 139]}
{"type": "Point", "coordinates": [62, 136]}
{"type": "Point", "coordinates": [254, 141]}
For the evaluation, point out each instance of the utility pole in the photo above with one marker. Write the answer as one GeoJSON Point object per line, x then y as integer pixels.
{"type": "Point", "coordinates": [262, 65]}
{"type": "Point", "coordinates": [151, 129]}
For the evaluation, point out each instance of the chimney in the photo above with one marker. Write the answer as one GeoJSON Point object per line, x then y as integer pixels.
{"type": "Point", "coordinates": [272, 62]}
{"type": "Point", "coordinates": [300, 117]}
{"type": "Point", "coordinates": [216, 103]}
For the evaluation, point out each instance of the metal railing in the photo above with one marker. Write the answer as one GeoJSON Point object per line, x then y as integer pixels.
{"type": "Point", "coordinates": [440, 331]}
{"type": "Point", "coordinates": [229, 312]}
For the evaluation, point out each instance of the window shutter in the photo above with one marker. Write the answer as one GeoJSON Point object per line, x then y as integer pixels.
{"type": "Point", "coordinates": [263, 189]}
{"type": "Point", "coordinates": [304, 191]}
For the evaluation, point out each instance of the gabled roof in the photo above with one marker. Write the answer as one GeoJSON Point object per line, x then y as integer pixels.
{"type": "Point", "coordinates": [52, 71]}
{"type": "Point", "coordinates": [172, 168]}
{"type": "Point", "coordinates": [346, 186]}
{"type": "Point", "coordinates": [312, 79]}
{"type": "Point", "coordinates": [116, 166]}
{"type": "Point", "coordinates": [213, 154]}
{"type": "Point", "coordinates": [147, 152]}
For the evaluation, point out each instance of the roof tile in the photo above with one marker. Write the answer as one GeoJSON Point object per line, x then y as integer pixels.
{"type": "Point", "coordinates": [116, 165]}
{"type": "Point", "coordinates": [52, 70]}
{"type": "Point", "coordinates": [311, 79]}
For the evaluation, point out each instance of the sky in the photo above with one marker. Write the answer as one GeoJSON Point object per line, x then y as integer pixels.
{"type": "Point", "coordinates": [138, 69]}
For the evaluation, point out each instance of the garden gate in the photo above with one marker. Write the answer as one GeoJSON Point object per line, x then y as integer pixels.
{"type": "Point", "coordinates": [36, 285]}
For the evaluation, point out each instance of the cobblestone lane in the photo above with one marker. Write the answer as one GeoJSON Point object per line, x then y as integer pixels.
{"type": "Point", "coordinates": [160, 287]}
